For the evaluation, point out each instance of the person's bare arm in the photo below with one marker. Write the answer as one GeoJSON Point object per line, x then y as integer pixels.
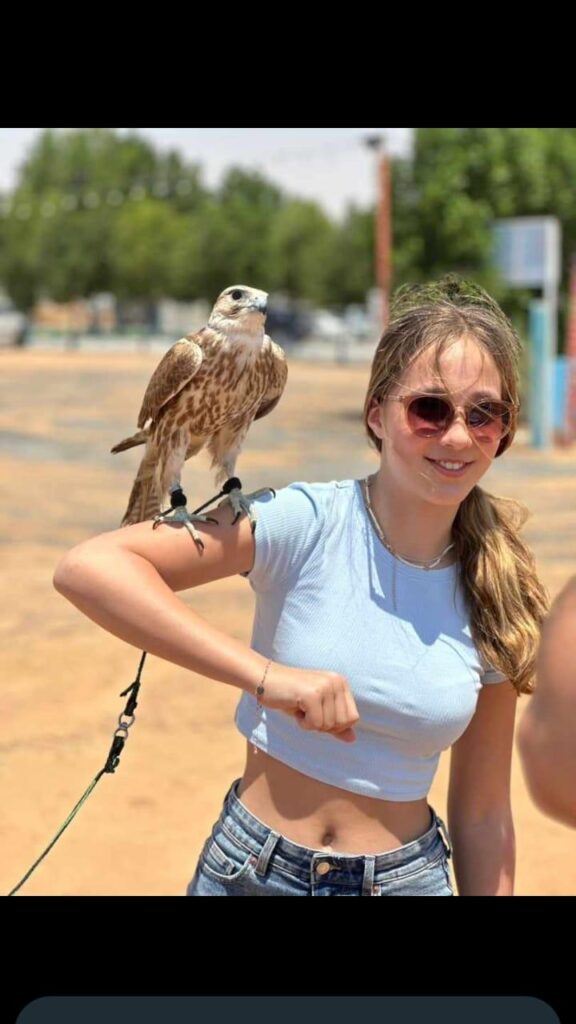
{"type": "Point", "coordinates": [479, 808]}
{"type": "Point", "coordinates": [547, 731]}
{"type": "Point", "coordinates": [126, 581]}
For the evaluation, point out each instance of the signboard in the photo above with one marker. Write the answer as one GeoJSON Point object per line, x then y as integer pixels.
{"type": "Point", "coordinates": [527, 251]}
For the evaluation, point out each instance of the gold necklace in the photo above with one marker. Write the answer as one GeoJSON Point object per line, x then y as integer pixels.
{"type": "Point", "coordinates": [417, 565]}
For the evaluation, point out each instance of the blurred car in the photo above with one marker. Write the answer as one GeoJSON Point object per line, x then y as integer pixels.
{"type": "Point", "coordinates": [326, 324]}
{"type": "Point", "coordinates": [286, 322]}
{"type": "Point", "coordinates": [14, 327]}
{"type": "Point", "coordinates": [358, 322]}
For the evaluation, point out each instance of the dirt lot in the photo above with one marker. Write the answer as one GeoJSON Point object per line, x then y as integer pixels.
{"type": "Point", "coordinates": [141, 830]}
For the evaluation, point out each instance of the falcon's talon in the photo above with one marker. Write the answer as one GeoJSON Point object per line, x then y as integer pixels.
{"type": "Point", "coordinates": [195, 536]}
{"type": "Point", "coordinates": [242, 503]}
{"type": "Point", "coordinates": [180, 514]}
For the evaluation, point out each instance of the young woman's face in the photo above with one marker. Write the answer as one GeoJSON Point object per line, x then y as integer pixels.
{"type": "Point", "coordinates": [442, 469]}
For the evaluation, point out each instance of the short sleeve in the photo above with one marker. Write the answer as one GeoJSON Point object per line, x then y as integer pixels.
{"type": "Point", "coordinates": [287, 533]}
{"type": "Point", "coordinates": [492, 675]}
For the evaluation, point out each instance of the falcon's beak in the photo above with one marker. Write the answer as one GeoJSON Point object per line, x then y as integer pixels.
{"type": "Point", "coordinates": [260, 304]}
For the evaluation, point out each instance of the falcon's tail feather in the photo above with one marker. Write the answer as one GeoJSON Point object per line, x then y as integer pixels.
{"type": "Point", "coordinates": [130, 442]}
{"type": "Point", "coordinates": [144, 500]}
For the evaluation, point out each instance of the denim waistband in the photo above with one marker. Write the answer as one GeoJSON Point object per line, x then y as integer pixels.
{"type": "Point", "coordinates": [265, 843]}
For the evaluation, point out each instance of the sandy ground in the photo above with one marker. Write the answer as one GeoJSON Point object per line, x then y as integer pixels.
{"type": "Point", "coordinates": [141, 830]}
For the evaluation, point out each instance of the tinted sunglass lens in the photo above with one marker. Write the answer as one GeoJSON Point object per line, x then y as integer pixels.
{"type": "Point", "coordinates": [428, 415]}
{"type": "Point", "coordinates": [489, 418]}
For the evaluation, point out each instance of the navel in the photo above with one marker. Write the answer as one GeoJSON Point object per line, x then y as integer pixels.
{"type": "Point", "coordinates": [327, 840]}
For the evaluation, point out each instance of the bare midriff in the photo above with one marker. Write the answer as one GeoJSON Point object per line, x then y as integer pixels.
{"type": "Point", "coordinates": [324, 817]}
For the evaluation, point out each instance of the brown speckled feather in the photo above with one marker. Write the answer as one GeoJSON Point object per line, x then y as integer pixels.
{"type": "Point", "coordinates": [275, 372]}
{"type": "Point", "coordinates": [176, 369]}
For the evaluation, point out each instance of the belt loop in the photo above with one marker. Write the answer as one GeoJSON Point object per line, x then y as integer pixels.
{"type": "Point", "coordinates": [231, 789]}
{"type": "Point", "coordinates": [266, 852]}
{"type": "Point", "coordinates": [444, 835]}
{"type": "Point", "coordinates": [368, 879]}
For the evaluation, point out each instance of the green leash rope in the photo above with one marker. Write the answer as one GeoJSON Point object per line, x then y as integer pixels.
{"type": "Point", "coordinates": [121, 732]}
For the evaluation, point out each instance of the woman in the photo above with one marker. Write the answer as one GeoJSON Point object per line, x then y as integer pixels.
{"type": "Point", "coordinates": [395, 617]}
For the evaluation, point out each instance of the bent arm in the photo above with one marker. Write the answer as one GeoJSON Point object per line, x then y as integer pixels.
{"type": "Point", "coordinates": [125, 581]}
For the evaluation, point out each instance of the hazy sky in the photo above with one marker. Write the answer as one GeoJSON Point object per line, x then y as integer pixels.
{"type": "Point", "coordinates": [330, 165]}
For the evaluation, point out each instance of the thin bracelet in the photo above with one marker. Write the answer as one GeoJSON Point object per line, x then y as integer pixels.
{"type": "Point", "coordinates": [260, 688]}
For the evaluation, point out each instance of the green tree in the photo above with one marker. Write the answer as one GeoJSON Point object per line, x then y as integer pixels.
{"type": "Point", "coordinates": [350, 260]}
{"type": "Point", "coordinates": [146, 236]}
{"type": "Point", "coordinates": [241, 229]}
{"type": "Point", "coordinates": [74, 190]}
{"type": "Point", "coordinates": [302, 243]}
{"type": "Point", "coordinates": [460, 180]}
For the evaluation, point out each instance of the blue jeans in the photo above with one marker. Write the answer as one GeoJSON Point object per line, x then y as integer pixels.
{"type": "Point", "coordinates": [244, 857]}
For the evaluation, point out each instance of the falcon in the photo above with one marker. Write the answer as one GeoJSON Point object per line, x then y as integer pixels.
{"type": "Point", "coordinates": [205, 393]}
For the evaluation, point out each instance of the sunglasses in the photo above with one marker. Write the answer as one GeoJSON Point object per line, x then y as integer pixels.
{"type": "Point", "coordinates": [488, 420]}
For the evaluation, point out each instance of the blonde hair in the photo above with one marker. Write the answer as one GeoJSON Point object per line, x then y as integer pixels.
{"type": "Point", "coordinates": [505, 599]}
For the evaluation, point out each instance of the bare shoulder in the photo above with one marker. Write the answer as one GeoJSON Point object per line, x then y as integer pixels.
{"type": "Point", "coordinates": [228, 549]}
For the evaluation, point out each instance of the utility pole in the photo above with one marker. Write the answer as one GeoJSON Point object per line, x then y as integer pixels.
{"type": "Point", "coordinates": [382, 224]}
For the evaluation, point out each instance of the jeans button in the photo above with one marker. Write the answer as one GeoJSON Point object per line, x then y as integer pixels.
{"type": "Point", "coordinates": [323, 867]}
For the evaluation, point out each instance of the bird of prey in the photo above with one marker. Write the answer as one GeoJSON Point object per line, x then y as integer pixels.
{"type": "Point", "coordinates": [205, 393]}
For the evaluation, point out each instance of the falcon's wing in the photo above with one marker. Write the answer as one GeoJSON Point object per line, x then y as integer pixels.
{"type": "Point", "coordinates": [276, 373]}
{"type": "Point", "coordinates": [177, 367]}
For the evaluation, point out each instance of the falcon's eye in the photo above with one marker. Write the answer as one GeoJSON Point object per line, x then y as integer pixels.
{"type": "Point", "coordinates": [237, 294]}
